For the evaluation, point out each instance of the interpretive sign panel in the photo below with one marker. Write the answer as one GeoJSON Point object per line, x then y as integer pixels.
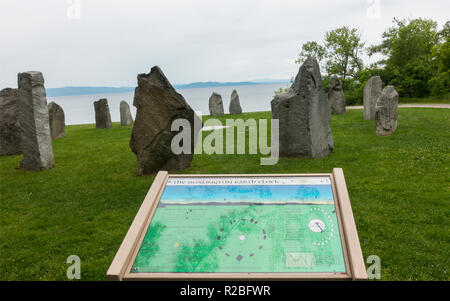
{"type": "Point", "coordinates": [241, 227]}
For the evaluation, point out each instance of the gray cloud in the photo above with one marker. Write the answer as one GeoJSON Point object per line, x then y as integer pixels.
{"type": "Point", "coordinates": [191, 41]}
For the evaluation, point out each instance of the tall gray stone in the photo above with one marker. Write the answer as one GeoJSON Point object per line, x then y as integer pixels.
{"type": "Point", "coordinates": [57, 121]}
{"type": "Point", "coordinates": [125, 114]}
{"type": "Point", "coordinates": [9, 123]}
{"type": "Point", "coordinates": [215, 105]}
{"type": "Point", "coordinates": [157, 106]}
{"type": "Point", "coordinates": [235, 105]}
{"type": "Point", "coordinates": [386, 112]}
{"type": "Point", "coordinates": [372, 91]}
{"type": "Point", "coordinates": [102, 115]}
{"type": "Point", "coordinates": [34, 122]}
{"type": "Point", "coordinates": [304, 115]}
{"type": "Point", "coordinates": [336, 97]}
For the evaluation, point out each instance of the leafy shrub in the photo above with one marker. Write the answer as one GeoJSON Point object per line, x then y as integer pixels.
{"type": "Point", "coordinates": [440, 85]}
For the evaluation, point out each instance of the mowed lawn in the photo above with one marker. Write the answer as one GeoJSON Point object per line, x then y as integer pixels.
{"type": "Point", "coordinates": [399, 188]}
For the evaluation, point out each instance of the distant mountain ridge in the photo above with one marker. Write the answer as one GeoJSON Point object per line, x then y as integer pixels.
{"type": "Point", "coordinates": [82, 90]}
{"type": "Point", "coordinates": [213, 84]}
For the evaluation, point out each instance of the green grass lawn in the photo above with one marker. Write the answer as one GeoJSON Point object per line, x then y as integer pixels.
{"type": "Point", "coordinates": [399, 188]}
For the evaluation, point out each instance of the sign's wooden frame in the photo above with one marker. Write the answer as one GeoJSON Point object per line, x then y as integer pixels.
{"type": "Point", "coordinates": [354, 261]}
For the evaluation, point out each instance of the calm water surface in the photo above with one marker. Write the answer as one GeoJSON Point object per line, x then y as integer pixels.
{"type": "Point", "coordinates": [79, 109]}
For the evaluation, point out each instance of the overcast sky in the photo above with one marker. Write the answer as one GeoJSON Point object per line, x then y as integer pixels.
{"type": "Point", "coordinates": [108, 42]}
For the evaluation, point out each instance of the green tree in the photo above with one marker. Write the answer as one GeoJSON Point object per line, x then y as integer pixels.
{"type": "Point", "coordinates": [311, 49]}
{"type": "Point", "coordinates": [440, 57]}
{"type": "Point", "coordinates": [341, 52]}
{"type": "Point", "coordinates": [444, 34]}
{"type": "Point", "coordinates": [407, 47]}
{"type": "Point", "coordinates": [344, 47]}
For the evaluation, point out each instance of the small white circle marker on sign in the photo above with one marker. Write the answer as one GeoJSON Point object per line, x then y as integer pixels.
{"type": "Point", "coordinates": [316, 225]}
{"type": "Point", "coordinates": [242, 237]}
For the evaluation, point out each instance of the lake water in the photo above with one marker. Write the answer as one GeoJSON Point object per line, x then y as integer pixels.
{"type": "Point", "coordinates": [79, 109]}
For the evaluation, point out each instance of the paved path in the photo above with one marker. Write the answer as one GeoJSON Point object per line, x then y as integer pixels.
{"type": "Point", "coordinates": [413, 105]}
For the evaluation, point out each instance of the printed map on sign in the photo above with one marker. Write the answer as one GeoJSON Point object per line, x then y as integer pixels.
{"type": "Point", "coordinates": [243, 224]}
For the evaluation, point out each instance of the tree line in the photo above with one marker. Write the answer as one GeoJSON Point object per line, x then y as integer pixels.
{"type": "Point", "coordinates": [415, 58]}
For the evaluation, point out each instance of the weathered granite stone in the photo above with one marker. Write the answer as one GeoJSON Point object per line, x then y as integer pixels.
{"type": "Point", "coordinates": [34, 122]}
{"type": "Point", "coordinates": [102, 115]}
{"type": "Point", "coordinates": [372, 91]}
{"type": "Point", "coordinates": [125, 114]}
{"type": "Point", "coordinates": [336, 98]}
{"type": "Point", "coordinates": [304, 115]}
{"type": "Point", "coordinates": [386, 112]}
{"type": "Point", "coordinates": [158, 105]}
{"type": "Point", "coordinates": [235, 105]}
{"type": "Point", "coordinates": [9, 123]}
{"type": "Point", "coordinates": [215, 105]}
{"type": "Point", "coordinates": [57, 121]}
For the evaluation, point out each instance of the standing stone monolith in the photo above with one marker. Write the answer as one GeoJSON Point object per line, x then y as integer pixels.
{"type": "Point", "coordinates": [216, 105]}
{"type": "Point", "coordinates": [304, 115]}
{"type": "Point", "coordinates": [57, 121]}
{"type": "Point", "coordinates": [157, 106]}
{"type": "Point", "coordinates": [372, 91]}
{"type": "Point", "coordinates": [102, 115]}
{"type": "Point", "coordinates": [386, 112]}
{"type": "Point", "coordinates": [235, 105]}
{"type": "Point", "coordinates": [125, 114]}
{"type": "Point", "coordinates": [34, 123]}
{"type": "Point", "coordinates": [336, 98]}
{"type": "Point", "coordinates": [9, 123]}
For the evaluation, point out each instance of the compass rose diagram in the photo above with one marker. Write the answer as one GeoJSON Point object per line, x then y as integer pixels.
{"type": "Point", "coordinates": [322, 226]}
